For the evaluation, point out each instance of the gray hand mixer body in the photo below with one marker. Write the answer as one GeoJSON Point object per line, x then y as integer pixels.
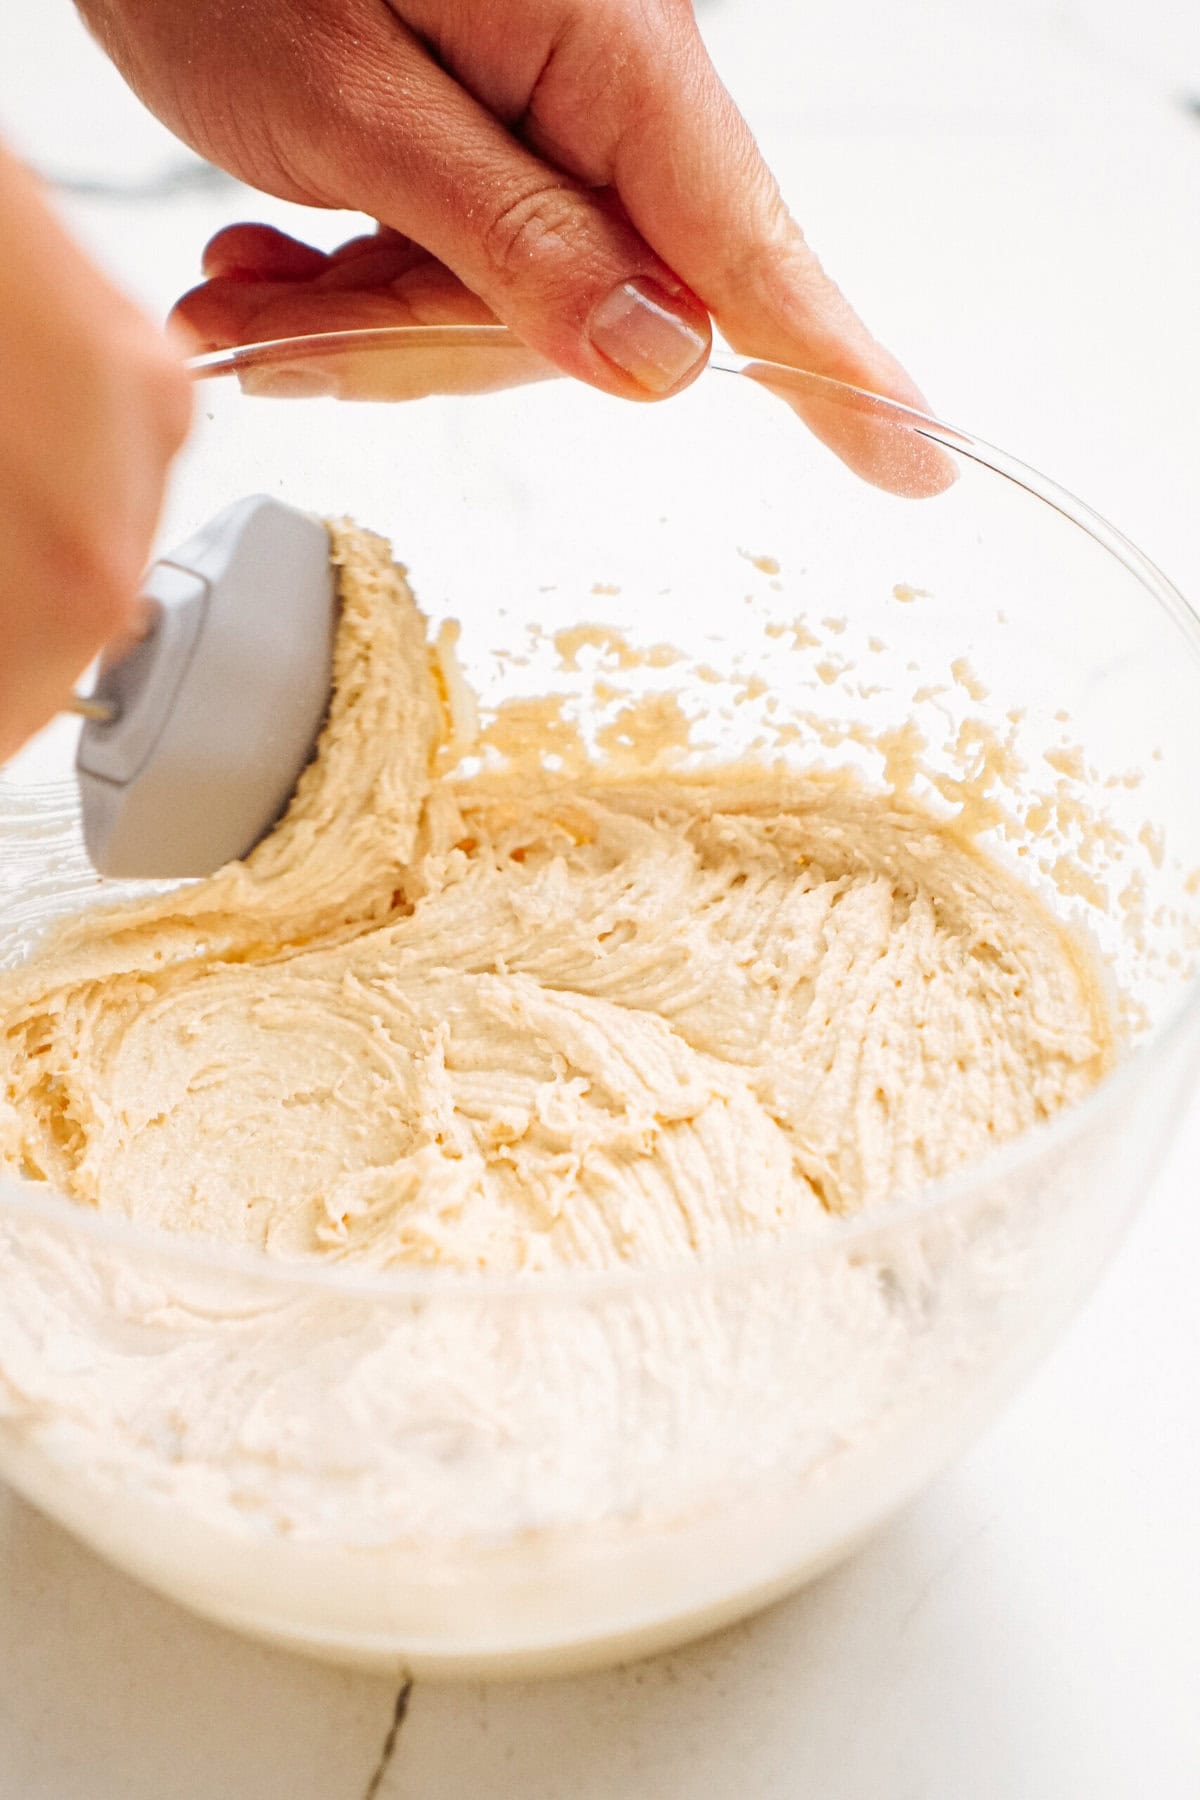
{"type": "Point", "coordinates": [195, 738]}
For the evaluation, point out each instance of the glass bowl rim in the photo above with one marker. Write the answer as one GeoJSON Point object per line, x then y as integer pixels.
{"type": "Point", "coordinates": [936, 1199]}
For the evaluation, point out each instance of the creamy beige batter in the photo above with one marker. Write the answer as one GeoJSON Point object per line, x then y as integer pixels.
{"type": "Point", "coordinates": [496, 1025]}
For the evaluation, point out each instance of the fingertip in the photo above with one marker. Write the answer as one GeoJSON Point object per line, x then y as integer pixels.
{"type": "Point", "coordinates": [260, 252]}
{"type": "Point", "coordinates": [897, 459]}
{"type": "Point", "coordinates": [184, 323]}
{"type": "Point", "coordinates": [209, 315]}
{"type": "Point", "coordinates": [882, 440]}
{"type": "Point", "coordinates": [179, 333]}
{"type": "Point", "coordinates": [885, 447]}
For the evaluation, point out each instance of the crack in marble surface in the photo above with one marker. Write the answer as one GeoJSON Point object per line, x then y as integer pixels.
{"type": "Point", "coordinates": [399, 1714]}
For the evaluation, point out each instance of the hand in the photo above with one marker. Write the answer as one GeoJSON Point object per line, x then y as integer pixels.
{"type": "Point", "coordinates": [93, 404]}
{"type": "Point", "coordinates": [572, 167]}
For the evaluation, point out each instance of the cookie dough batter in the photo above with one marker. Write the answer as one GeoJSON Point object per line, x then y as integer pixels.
{"type": "Point", "coordinates": [502, 1026]}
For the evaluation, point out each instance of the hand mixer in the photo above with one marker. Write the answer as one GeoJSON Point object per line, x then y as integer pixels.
{"type": "Point", "coordinates": [195, 737]}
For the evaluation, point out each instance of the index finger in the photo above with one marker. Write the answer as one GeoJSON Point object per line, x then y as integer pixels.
{"type": "Point", "coordinates": [695, 186]}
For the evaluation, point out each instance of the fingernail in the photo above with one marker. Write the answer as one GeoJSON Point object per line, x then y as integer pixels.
{"type": "Point", "coordinates": [636, 328]}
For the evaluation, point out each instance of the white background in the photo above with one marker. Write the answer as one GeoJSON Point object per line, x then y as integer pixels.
{"type": "Point", "coordinates": [1011, 195]}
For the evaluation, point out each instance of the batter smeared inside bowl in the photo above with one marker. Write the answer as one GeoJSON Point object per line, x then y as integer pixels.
{"type": "Point", "coordinates": [502, 1024]}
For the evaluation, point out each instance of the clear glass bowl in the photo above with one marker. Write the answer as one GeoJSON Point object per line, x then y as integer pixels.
{"type": "Point", "coordinates": [483, 1475]}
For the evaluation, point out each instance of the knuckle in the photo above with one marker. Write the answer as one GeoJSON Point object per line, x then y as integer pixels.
{"type": "Point", "coordinates": [94, 584]}
{"type": "Point", "coordinates": [98, 560]}
{"type": "Point", "coordinates": [100, 557]}
{"type": "Point", "coordinates": [145, 383]}
{"type": "Point", "coordinates": [776, 254]}
{"type": "Point", "coordinates": [104, 607]}
{"type": "Point", "coordinates": [166, 390]}
{"type": "Point", "coordinates": [538, 224]}
{"type": "Point", "coordinates": [133, 408]}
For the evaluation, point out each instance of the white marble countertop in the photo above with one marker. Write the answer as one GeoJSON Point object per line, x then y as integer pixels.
{"type": "Point", "coordinates": [1012, 197]}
